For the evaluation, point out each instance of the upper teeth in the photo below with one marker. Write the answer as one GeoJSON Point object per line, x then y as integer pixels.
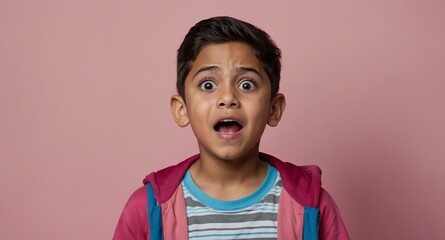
{"type": "Point", "coordinates": [228, 120]}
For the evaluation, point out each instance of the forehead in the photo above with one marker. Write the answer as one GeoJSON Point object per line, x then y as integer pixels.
{"type": "Point", "coordinates": [227, 55]}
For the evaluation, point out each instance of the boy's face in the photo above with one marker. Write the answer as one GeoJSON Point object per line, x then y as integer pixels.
{"type": "Point", "coordinates": [228, 101]}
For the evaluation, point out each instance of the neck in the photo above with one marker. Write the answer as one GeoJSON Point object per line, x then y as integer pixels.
{"type": "Point", "coordinates": [212, 172]}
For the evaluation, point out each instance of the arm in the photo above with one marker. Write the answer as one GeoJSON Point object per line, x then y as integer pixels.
{"type": "Point", "coordinates": [133, 222]}
{"type": "Point", "coordinates": [331, 224]}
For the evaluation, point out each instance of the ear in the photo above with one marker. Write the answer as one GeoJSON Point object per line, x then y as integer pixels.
{"type": "Point", "coordinates": [179, 110]}
{"type": "Point", "coordinates": [277, 106]}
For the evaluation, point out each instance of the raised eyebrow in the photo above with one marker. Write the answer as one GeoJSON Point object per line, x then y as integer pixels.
{"type": "Point", "coordinates": [205, 69]}
{"type": "Point", "coordinates": [238, 69]}
{"type": "Point", "coordinates": [249, 69]}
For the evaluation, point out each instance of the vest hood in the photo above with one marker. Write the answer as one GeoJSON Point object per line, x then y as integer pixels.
{"type": "Point", "coordinates": [303, 183]}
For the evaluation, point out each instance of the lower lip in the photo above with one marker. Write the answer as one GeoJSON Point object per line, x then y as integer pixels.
{"type": "Point", "coordinates": [229, 136]}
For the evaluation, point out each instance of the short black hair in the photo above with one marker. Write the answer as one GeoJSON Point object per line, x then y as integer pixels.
{"type": "Point", "coordinates": [227, 29]}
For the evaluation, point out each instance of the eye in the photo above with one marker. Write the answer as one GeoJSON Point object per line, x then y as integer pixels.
{"type": "Point", "coordinates": [207, 85]}
{"type": "Point", "coordinates": [247, 85]}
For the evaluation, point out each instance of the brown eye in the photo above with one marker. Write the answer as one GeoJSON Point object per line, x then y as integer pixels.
{"type": "Point", "coordinates": [247, 85]}
{"type": "Point", "coordinates": [207, 85]}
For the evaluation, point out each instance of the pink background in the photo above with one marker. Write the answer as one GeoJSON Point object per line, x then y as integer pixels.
{"type": "Point", "coordinates": [84, 108]}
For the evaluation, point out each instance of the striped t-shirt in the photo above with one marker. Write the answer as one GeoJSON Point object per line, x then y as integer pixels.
{"type": "Point", "coordinates": [252, 217]}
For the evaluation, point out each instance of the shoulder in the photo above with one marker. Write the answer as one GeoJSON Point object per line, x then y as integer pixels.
{"type": "Point", "coordinates": [303, 183]}
{"type": "Point", "coordinates": [133, 222]}
{"type": "Point", "coordinates": [331, 223]}
{"type": "Point", "coordinates": [165, 181]}
{"type": "Point", "coordinates": [137, 201]}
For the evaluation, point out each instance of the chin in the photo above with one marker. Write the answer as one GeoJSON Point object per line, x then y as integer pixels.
{"type": "Point", "coordinates": [234, 155]}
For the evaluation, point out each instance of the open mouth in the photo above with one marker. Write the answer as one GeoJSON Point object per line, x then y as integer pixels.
{"type": "Point", "coordinates": [228, 126]}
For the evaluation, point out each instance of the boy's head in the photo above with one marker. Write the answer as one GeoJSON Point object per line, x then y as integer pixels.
{"type": "Point", "coordinates": [226, 29]}
{"type": "Point", "coordinates": [228, 73]}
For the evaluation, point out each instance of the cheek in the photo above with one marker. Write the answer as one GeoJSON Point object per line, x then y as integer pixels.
{"type": "Point", "coordinates": [198, 110]}
{"type": "Point", "coordinates": [259, 112]}
{"type": "Point", "coordinates": [260, 106]}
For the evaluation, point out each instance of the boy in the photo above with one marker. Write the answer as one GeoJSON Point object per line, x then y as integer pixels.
{"type": "Point", "coordinates": [228, 74]}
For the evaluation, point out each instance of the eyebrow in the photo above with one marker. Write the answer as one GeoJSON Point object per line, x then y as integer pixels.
{"type": "Point", "coordinates": [249, 69]}
{"type": "Point", "coordinates": [204, 69]}
{"type": "Point", "coordinates": [216, 68]}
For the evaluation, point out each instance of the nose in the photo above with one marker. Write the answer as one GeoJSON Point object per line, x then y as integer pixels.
{"type": "Point", "coordinates": [227, 99]}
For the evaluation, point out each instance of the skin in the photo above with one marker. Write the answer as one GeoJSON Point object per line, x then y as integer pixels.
{"type": "Point", "coordinates": [227, 81]}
